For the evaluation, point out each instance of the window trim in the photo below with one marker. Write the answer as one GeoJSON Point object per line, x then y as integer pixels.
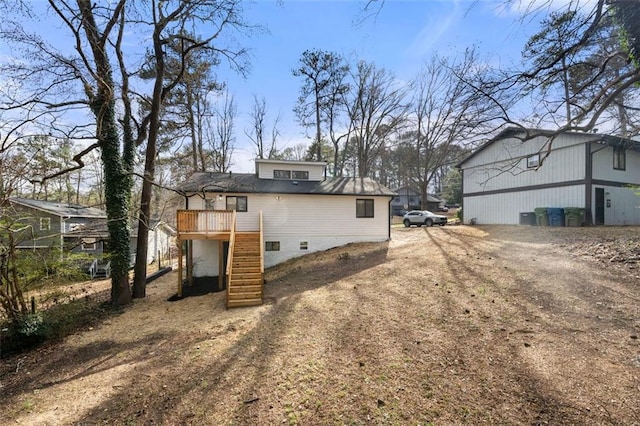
{"type": "Point", "coordinates": [619, 158]}
{"type": "Point", "coordinates": [533, 161]}
{"type": "Point", "coordinates": [47, 221]}
{"type": "Point", "coordinates": [286, 174]}
{"type": "Point", "coordinates": [272, 246]}
{"type": "Point", "coordinates": [305, 174]}
{"type": "Point", "coordinates": [363, 212]}
{"type": "Point", "coordinates": [246, 203]}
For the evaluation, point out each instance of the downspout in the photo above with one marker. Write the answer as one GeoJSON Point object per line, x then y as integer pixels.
{"type": "Point", "coordinates": [389, 215]}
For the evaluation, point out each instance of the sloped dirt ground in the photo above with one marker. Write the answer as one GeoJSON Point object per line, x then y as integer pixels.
{"type": "Point", "coordinates": [453, 325]}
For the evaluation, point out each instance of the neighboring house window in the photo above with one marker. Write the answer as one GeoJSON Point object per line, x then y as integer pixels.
{"type": "Point", "coordinates": [533, 161]}
{"type": "Point", "coordinates": [89, 244]}
{"type": "Point", "coordinates": [300, 174]}
{"type": "Point", "coordinates": [238, 204]}
{"type": "Point", "coordinates": [364, 208]}
{"type": "Point", "coordinates": [619, 158]}
{"type": "Point", "coordinates": [272, 245]}
{"type": "Point", "coordinates": [282, 174]}
{"type": "Point", "coordinates": [45, 223]}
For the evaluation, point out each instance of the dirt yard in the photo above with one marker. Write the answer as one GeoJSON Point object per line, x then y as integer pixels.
{"type": "Point", "coordinates": [444, 325]}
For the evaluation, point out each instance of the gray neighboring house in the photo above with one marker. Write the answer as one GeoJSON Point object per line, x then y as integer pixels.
{"type": "Point", "coordinates": [69, 227]}
{"type": "Point", "coordinates": [596, 172]}
{"type": "Point", "coordinates": [409, 199]}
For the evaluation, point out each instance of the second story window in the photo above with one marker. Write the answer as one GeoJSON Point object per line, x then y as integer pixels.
{"type": "Point", "coordinates": [533, 161]}
{"type": "Point", "coordinates": [282, 174]}
{"type": "Point", "coordinates": [300, 174]}
{"type": "Point", "coordinates": [619, 158]}
{"type": "Point", "coordinates": [237, 203]}
{"type": "Point", "coordinates": [45, 223]}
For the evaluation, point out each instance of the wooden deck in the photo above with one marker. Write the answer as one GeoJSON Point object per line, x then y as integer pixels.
{"type": "Point", "coordinates": [244, 271]}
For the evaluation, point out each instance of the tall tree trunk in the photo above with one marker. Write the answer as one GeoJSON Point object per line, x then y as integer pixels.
{"type": "Point", "coordinates": [116, 180]}
{"type": "Point", "coordinates": [140, 269]}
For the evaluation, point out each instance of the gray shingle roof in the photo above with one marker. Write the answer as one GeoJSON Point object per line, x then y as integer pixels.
{"type": "Point", "coordinates": [249, 183]}
{"type": "Point", "coordinates": [61, 209]}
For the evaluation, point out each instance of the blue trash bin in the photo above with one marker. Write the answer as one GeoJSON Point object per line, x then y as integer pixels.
{"type": "Point", "coordinates": [556, 216]}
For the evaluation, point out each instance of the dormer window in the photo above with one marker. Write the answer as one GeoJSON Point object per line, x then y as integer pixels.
{"type": "Point", "coordinates": [282, 174]}
{"type": "Point", "coordinates": [291, 174]}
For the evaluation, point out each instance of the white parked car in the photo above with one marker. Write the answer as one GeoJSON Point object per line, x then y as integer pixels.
{"type": "Point", "coordinates": [423, 217]}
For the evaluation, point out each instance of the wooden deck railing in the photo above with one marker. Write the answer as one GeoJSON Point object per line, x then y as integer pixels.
{"type": "Point", "coordinates": [232, 243]}
{"type": "Point", "coordinates": [204, 221]}
{"type": "Point", "coordinates": [261, 246]}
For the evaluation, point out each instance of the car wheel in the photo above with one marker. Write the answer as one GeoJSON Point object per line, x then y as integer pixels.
{"type": "Point", "coordinates": [428, 222]}
{"type": "Point", "coordinates": [406, 223]}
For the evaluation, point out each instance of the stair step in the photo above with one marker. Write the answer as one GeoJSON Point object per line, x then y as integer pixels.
{"type": "Point", "coordinates": [246, 269]}
{"type": "Point", "coordinates": [249, 288]}
{"type": "Point", "coordinates": [246, 302]}
{"type": "Point", "coordinates": [253, 294]}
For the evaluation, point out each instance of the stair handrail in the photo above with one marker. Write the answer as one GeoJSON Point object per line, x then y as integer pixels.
{"type": "Point", "coordinates": [232, 243]}
{"type": "Point", "coordinates": [261, 246]}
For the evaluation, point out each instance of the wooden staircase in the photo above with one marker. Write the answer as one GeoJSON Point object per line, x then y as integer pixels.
{"type": "Point", "coordinates": [245, 270]}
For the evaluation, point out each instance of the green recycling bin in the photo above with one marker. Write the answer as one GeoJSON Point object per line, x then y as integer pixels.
{"type": "Point", "coordinates": [574, 216]}
{"type": "Point", "coordinates": [541, 216]}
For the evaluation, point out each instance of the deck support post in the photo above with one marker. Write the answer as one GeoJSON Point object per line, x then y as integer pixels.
{"type": "Point", "coordinates": [221, 265]}
{"type": "Point", "coordinates": [180, 243]}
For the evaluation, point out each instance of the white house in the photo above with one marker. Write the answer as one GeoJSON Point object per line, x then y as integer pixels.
{"type": "Point", "coordinates": [294, 206]}
{"type": "Point", "coordinates": [520, 170]}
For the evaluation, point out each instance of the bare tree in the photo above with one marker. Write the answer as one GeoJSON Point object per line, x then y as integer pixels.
{"type": "Point", "coordinates": [222, 134]}
{"type": "Point", "coordinates": [323, 73]}
{"type": "Point", "coordinates": [265, 148]}
{"type": "Point", "coordinates": [376, 109]}
{"type": "Point", "coordinates": [446, 113]}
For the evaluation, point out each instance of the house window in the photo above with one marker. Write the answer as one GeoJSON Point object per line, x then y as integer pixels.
{"type": "Point", "coordinates": [210, 204]}
{"type": "Point", "coordinates": [619, 158]}
{"type": "Point", "coordinates": [533, 161]}
{"type": "Point", "coordinates": [364, 208]}
{"type": "Point", "coordinates": [45, 223]}
{"type": "Point", "coordinates": [89, 244]}
{"type": "Point", "coordinates": [272, 245]}
{"type": "Point", "coordinates": [282, 174]}
{"type": "Point", "coordinates": [300, 174]}
{"type": "Point", "coordinates": [304, 245]}
{"type": "Point", "coordinates": [238, 204]}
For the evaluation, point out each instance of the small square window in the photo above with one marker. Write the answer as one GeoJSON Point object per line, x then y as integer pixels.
{"type": "Point", "coordinates": [304, 245]}
{"type": "Point", "coordinates": [533, 161]}
{"type": "Point", "coordinates": [45, 223]}
{"type": "Point", "coordinates": [364, 208]}
{"type": "Point", "coordinates": [272, 245]}
{"type": "Point", "coordinates": [238, 203]}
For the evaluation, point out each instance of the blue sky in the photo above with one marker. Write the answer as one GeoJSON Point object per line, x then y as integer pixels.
{"type": "Point", "coordinates": [400, 37]}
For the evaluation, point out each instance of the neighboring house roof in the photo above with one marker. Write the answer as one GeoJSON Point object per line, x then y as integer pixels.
{"type": "Point", "coordinates": [61, 209]}
{"type": "Point", "coordinates": [250, 183]}
{"type": "Point", "coordinates": [402, 190]}
{"type": "Point", "coordinates": [532, 133]}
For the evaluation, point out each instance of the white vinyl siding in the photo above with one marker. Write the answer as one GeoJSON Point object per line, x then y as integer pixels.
{"type": "Point", "coordinates": [322, 221]}
{"type": "Point", "coordinates": [563, 164]}
{"type": "Point", "coordinates": [505, 208]}
{"type": "Point", "coordinates": [266, 170]}
{"type": "Point", "coordinates": [603, 167]}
